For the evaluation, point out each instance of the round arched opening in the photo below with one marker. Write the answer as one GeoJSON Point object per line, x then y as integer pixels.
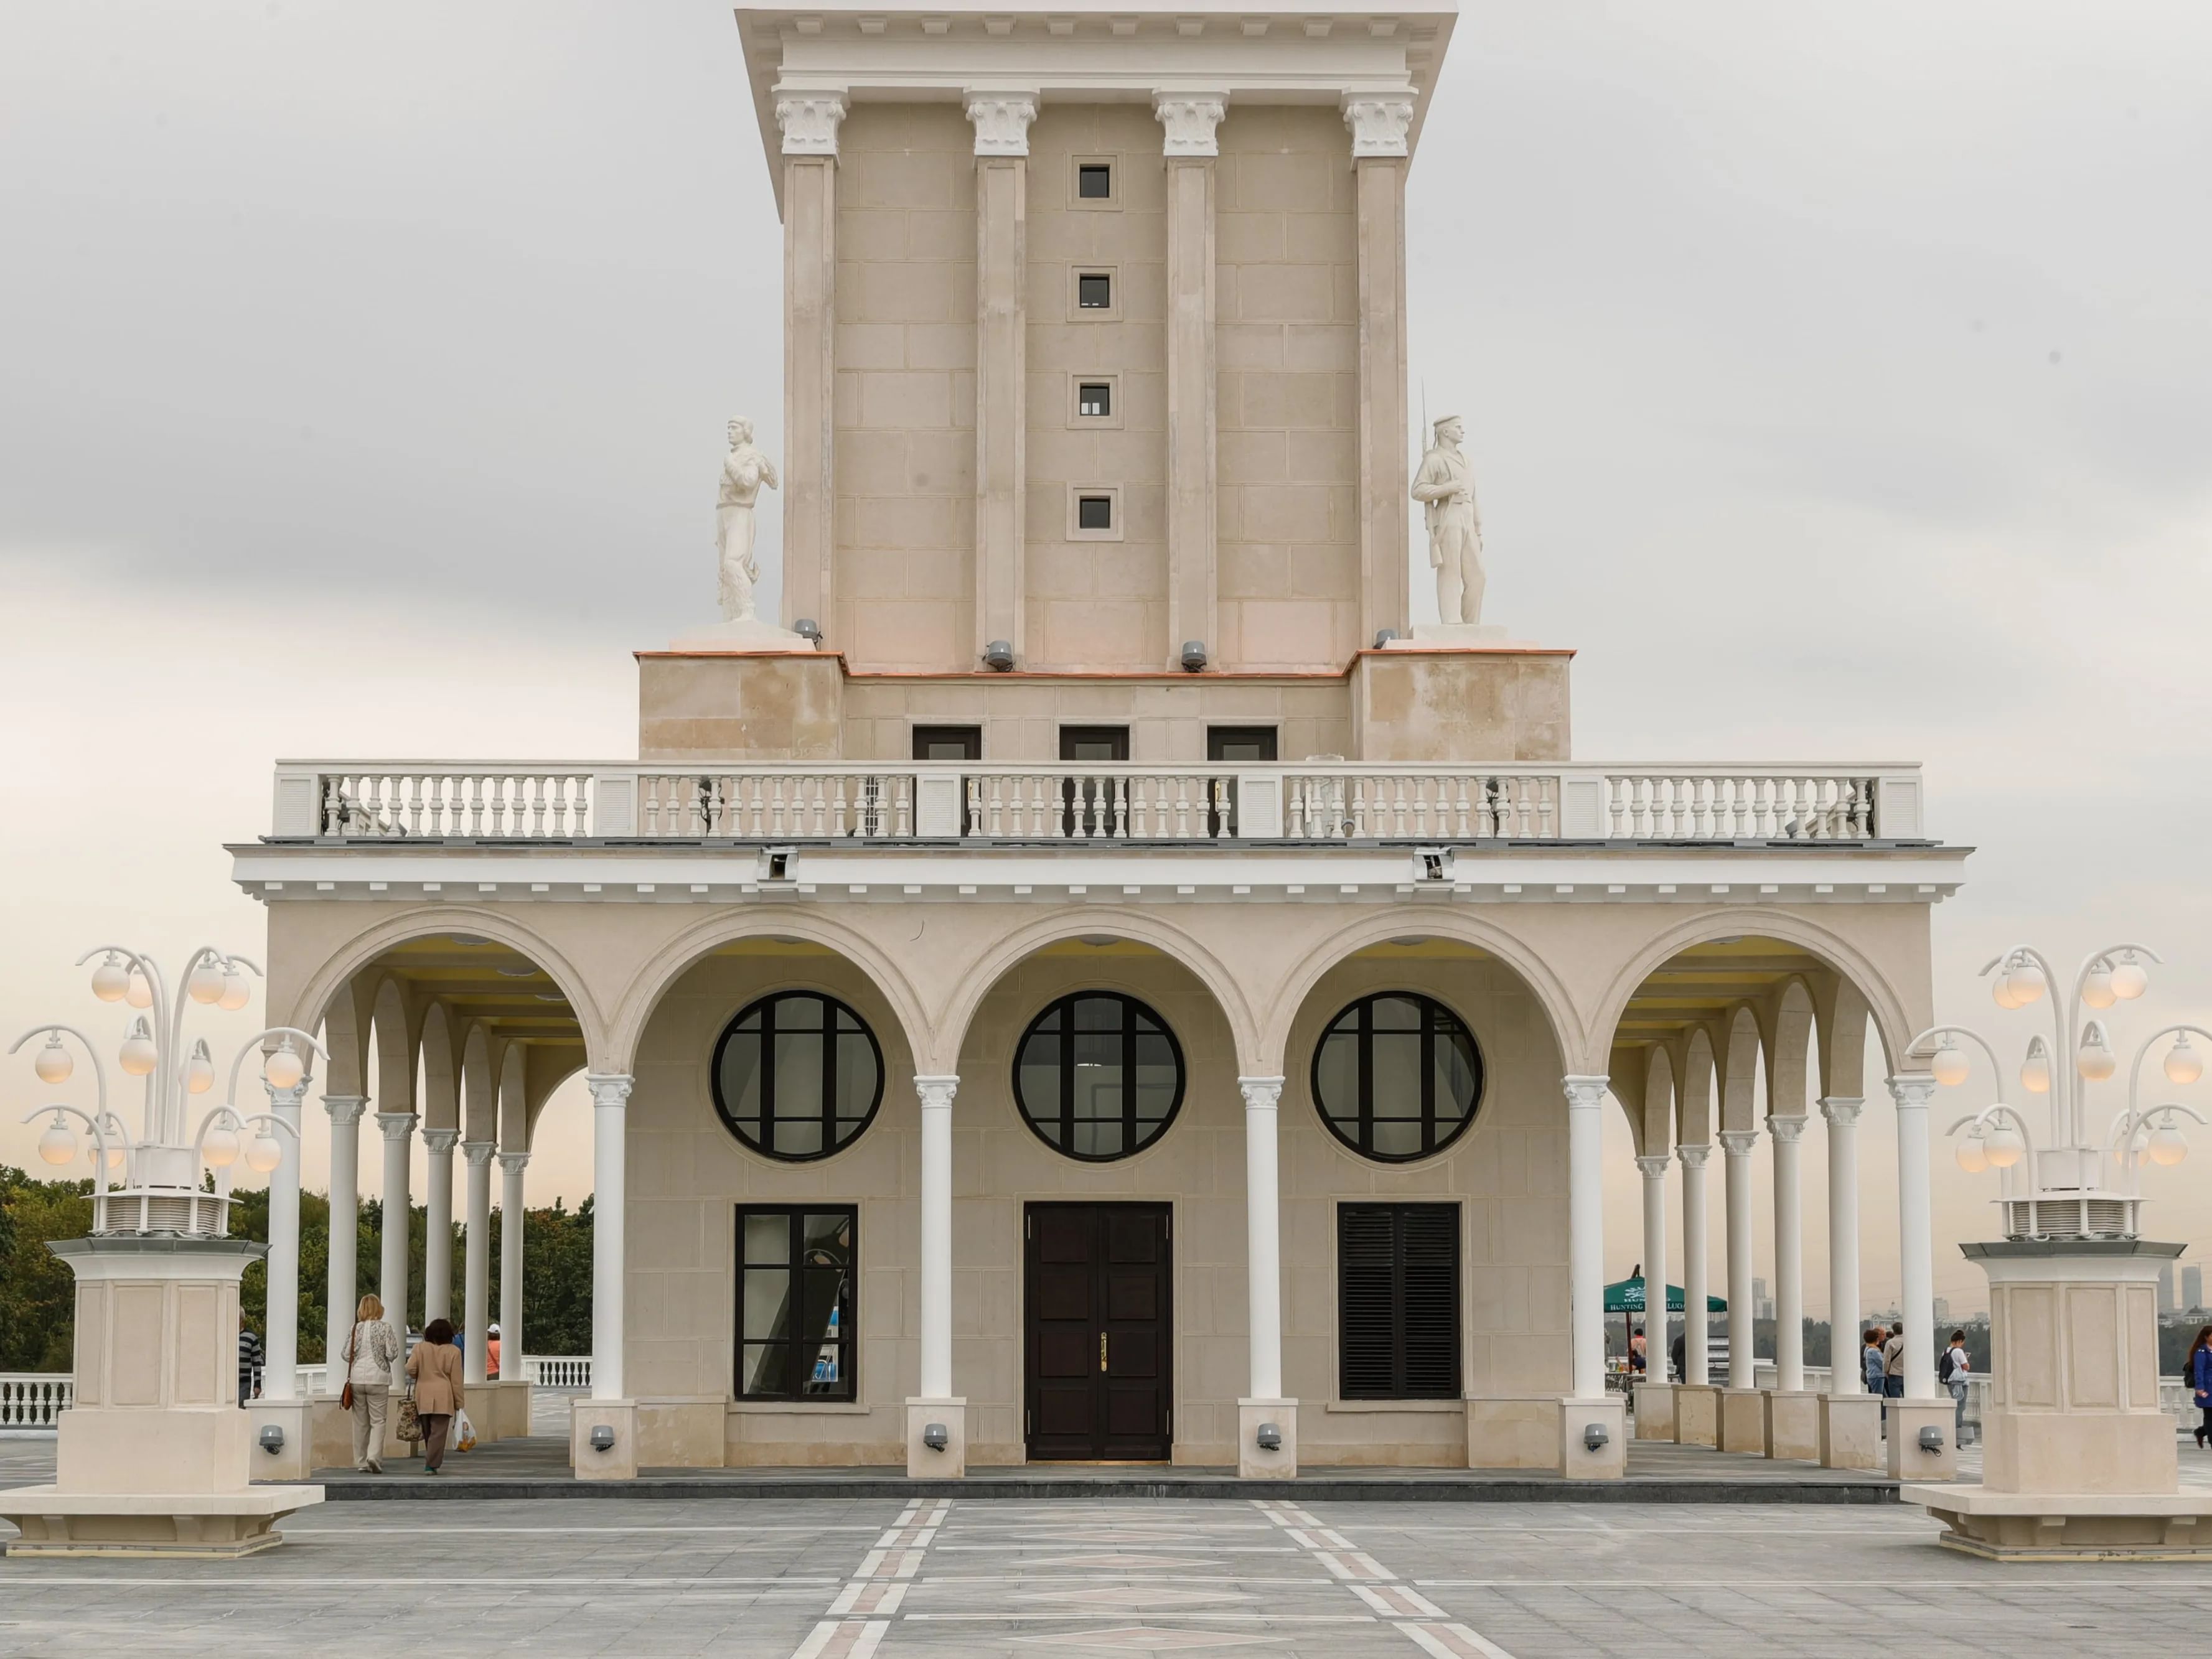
{"type": "Point", "coordinates": [1397, 1077]}
{"type": "Point", "coordinates": [1098, 1076]}
{"type": "Point", "coordinates": [798, 1075]}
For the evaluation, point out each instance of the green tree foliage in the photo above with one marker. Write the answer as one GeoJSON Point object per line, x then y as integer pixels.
{"type": "Point", "coordinates": [38, 1291]}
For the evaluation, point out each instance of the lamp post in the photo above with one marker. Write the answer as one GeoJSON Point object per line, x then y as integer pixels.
{"type": "Point", "coordinates": [154, 1457]}
{"type": "Point", "coordinates": [2079, 1456]}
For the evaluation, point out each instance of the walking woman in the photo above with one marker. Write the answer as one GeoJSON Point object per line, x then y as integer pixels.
{"type": "Point", "coordinates": [2197, 1371]}
{"type": "Point", "coordinates": [435, 1365]}
{"type": "Point", "coordinates": [370, 1353]}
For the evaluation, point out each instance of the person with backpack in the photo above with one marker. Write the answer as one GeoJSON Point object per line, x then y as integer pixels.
{"type": "Point", "coordinates": [1952, 1367]}
{"type": "Point", "coordinates": [2197, 1371]}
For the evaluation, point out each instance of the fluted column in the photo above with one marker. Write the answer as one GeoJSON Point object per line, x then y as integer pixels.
{"type": "Point", "coordinates": [1189, 121]}
{"type": "Point", "coordinates": [511, 1166]}
{"type": "Point", "coordinates": [609, 1195]}
{"type": "Point", "coordinates": [476, 1263]}
{"type": "Point", "coordinates": [280, 1373]}
{"type": "Point", "coordinates": [1653, 1167]}
{"type": "Point", "coordinates": [1736, 1145]}
{"type": "Point", "coordinates": [809, 122]}
{"type": "Point", "coordinates": [1586, 1233]}
{"type": "Point", "coordinates": [1379, 123]}
{"type": "Point", "coordinates": [1789, 1258]}
{"type": "Point", "coordinates": [1915, 1247]}
{"type": "Point", "coordinates": [343, 1291]}
{"type": "Point", "coordinates": [1696, 1342]}
{"type": "Point", "coordinates": [1001, 120]}
{"type": "Point", "coordinates": [438, 1230]}
{"type": "Point", "coordinates": [398, 1209]}
{"type": "Point", "coordinates": [936, 1095]}
{"type": "Point", "coordinates": [1845, 1375]}
{"type": "Point", "coordinates": [1263, 1235]}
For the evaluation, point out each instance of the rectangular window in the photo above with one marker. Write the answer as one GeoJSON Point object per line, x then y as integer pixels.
{"type": "Point", "coordinates": [948, 743]}
{"type": "Point", "coordinates": [1234, 744]}
{"type": "Point", "coordinates": [796, 1280]}
{"type": "Point", "coordinates": [1105, 743]}
{"type": "Point", "coordinates": [1094, 511]}
{"type": "Point", "coordinates": [1094, 181]}
{"type": "Point", "coordinates": [1095, 398]}
{"type": "Point", "coordinates": [1397, 1301]}
{"type": "Point", "coordinates": [1094, 291]}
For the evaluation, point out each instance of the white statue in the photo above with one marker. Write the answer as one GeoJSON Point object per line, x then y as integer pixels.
{"type": "Point", "coordinates": [1455, 531]}
{"type": "Point", "coordinates": [744, 473]}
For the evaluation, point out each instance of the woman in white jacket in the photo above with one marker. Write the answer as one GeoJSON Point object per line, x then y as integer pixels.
{"type": "Point", "coordinates": [370, 1353]}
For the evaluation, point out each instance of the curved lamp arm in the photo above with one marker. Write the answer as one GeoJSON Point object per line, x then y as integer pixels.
{"type": "Point", "coordinates": [1996, 1069]}
{"type": "Point", "coordinates": [1991, 1113]}
{"type": "Point", "coordinates": [2121, 1140]}
{"type": "Point", "coordinates": [99, 1072]}
{"type": "Point", "coordinates": [230, 1092]}
{"type": "Point", "coordinates": [2135, 1065]}
{"type": "Point", "coordinates": [99, 1140]}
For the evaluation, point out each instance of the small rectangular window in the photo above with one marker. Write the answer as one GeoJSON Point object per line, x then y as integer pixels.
{"type": "Point", "coordinates": [1094, 291]}
{"type": "Point", "coordinates": [1094, 181]}
{"type": "Point", "coordinates": [1094, 513]}
{"type": "Point", "coordinates": [796, 1280]}
{"type": "Point", "coordinates": [1240, 743]}
{"type": "Point", "coordinates": [948, 743]}
{"type": "Point", "coordinates": [1095, 398]}
{"type": "Point", "coordinates": [1397, 1301]}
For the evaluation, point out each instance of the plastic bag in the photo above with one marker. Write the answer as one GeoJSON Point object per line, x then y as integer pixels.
{"type": "Point", "coordinates": [465, 1432]}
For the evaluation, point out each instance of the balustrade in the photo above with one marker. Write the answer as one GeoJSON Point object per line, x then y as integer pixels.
{"type": "Point", "coordinates": [33, 1399]}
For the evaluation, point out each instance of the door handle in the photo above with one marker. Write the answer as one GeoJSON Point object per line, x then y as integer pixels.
{"type": "Point", "coordinates": [1101, 1350]}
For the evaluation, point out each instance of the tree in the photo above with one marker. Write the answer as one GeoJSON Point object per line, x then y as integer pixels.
{"type": "Point", "coordinates": [38, 1291]}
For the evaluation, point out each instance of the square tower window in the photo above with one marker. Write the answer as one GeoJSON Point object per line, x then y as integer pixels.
{"type": "Point", "coordinates": [1094, 511]}
{"type": "Point", "coordinates": [1095, 398]}
{"type": "Point", "coordinates": [1094, 181]}
{"type": "Point", "coordinates": [1094, 290]}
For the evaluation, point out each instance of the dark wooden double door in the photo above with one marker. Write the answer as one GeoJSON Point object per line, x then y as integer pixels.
{"type": "Point", "coordinates": [1098, 1335]}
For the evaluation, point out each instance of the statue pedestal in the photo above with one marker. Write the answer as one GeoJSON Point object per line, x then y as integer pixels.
{"type": "Point", "coordinates": [1455, 636]}
{"type": "Point", "coordinates": [750, 636]}
{"type": "Point", "coordinates": [154, 1457]}
{"type": "Point", "coordinates": [2079, 1460]}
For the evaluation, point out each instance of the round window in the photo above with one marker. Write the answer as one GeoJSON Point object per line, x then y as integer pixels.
{"type": "Point", "coordinates": [1098, 1076]}
{"type": "Point", "coordinates": [798, 1075]}
{"type": "Point", "coordinates": [1397, 1077]}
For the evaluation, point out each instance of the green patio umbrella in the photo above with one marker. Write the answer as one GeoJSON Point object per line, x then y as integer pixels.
{"type": "Point", "coordinates": [1627, 1297]}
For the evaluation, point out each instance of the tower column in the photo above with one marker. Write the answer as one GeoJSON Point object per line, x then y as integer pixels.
{"type": "Point", "coordinates": [511, 1166]}
{"type": "Point", "coordinates": [438, 1231]}
{"type": "Point", "coordinates": [1843, 1117]}
{"type": "Point", "coordinates": [809, 121]}
{"type": "Point", "coordinates": [1189, 123]}
{"type": "Point", "coordinates": [343, 1291]}
{"type": "Point", "coordinates": [476, 1263]}
{"type": "Point", "coordinates": [936, 1407]}
{"type": "Point", "coordinates": [280, 1375]}
{"type": "Point", "coordinates": [1001, 121]}
{"type": "Point", "coordinates": [1696, 1341]}
{"type": "Point", "coordinates": [1379, 124]}
{"type": "Point", "coordinates": [391, 1238]}
{"type": "Point", "coordinates": [1736, 1145]}
{"type": "Point", "coordinates": [1789, 1258]}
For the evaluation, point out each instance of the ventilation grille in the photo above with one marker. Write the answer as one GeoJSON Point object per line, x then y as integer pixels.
{"type": "Point", "coordinates": [2070, 1217]}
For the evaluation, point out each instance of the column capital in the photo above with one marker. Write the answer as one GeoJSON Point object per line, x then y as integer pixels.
{"type": "Point", "coordinates": [1653, 1164]}
{"type": "Point", "coordinates": [1189, 120]}
{"type": "Point", "coordinates": [936, 1092]}
{"type": "Point", "coordinates": [1585, 1093]}
{"type": "Point", "coordinates": [1001, 120]}
{"type": "Point", "coordinates": [1261, 1094]}
{"type": "Point", "coordinates": [1786, 1128]}
{"type": "Point", "coordinates": [281, 1098]}
{"type": "Point", "coordinates": [479, 1153]}
{"type": "Point", "coordinates": [610, 1092]}
{"type": "Point", "coordinates": [345, 1110]}
{"type": "Point", "coordinates": [1842, 1111]}
{"type": "Point", "coordinates": [1913, 1091]}
{"type": "Point", "coordinates": [1380, 122]}
{"type": "Point", "coordinates": [397, 1126]}
{"type": "Point", "coordinates": [1693, 1157]}
{"type": "Point", "coordinates": [441, 1142]}
{"type": "Point", "coordinates": [1738, 1143]}
{"type": "Point", "coordinates": [514, 1163]}
{"type": "Point", "coordinates": [809, 120]}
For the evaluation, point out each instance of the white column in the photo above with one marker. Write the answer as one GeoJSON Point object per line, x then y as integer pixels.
{"type": "Point", "coordinates": [1844, 1373]}
{"type": "Point", "coordinates": [438, 1230]}
{"type": "Point", "coordinates": [344, 1290]}
{"type": "Point", "coordinates": [609, 1139]}
{"type": "Point", "coordinates": [936, 1094]}
{"type": "Point", "coordinates": [280, 1373]}
{"type": "Point", "coordinates": [1653, 1167]}
{"type": "Point", "coordinates": [475, 1264]}
{"type": "Point", "coordinates": [1694, 1292]}
{"type": "Point", "coordinates": [1915, 1247]}
{"type": "Point", "coordinates": [1736, 1145]}
{"type": "Point", "coordinates": [511, 1165]}
{"type": "Point", "coordinates": [1789, 1258]}
{"type": "Point", "coordinates": [398, 1209]}
{"type": "Point", "coordinates": [1586, 1233]}
{"type": "Point", "coordinates": [1263, 1235]}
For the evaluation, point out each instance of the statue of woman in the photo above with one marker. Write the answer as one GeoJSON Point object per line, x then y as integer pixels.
{"type": "Point", "coordinates": [744, 472]}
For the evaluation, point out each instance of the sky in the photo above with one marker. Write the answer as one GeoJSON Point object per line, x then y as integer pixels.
{"type": "Point", "coordinates": [1838, 383]}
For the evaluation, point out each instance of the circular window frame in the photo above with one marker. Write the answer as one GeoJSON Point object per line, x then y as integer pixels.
{"type": "Point", "coordinates": [1129, 1003]}
{"type": "Point", "coordinates": [834, 1005]}
{"type": "Point", "coordinates": [1428, 1120]}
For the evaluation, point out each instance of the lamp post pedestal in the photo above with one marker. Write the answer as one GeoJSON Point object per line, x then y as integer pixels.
{"type": "Point", "coordinates": [2079, 1459]}
{"type": "Point", "coordinates": [154, 1458]}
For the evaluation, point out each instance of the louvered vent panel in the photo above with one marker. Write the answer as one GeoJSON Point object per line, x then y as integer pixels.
{"type": "Point", "coordinates": [1366, 1298]}
{"type": "Point", "coordinates": [1430, 1274]}
{"type": "Point", "coordinates": [1398, 1301]}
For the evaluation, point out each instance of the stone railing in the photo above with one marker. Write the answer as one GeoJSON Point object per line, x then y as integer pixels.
{"type": "Point", "coordinates": [557, 1371]}
{"type": "Point", "coordinates": [978, 802]}
{"type": "Point", "coordinates": [32, 1399]}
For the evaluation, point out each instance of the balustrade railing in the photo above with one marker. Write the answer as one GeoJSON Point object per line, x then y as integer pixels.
{"type": "Point", "coordinates": [33, 1399]}
{"type": "Point", "coordinates": [557, 1371]}
{"type": "Point", "coordinates": [1308, 801]}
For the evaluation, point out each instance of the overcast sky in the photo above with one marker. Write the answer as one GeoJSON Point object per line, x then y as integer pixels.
{"type": "Point", "coordinates": [1839, 381]}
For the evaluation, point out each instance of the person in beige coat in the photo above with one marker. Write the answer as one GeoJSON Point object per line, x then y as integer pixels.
{"type": "Point", "coordinates": [435, 1365]}
{"type": "Point", "coordinates": [371, 1350]}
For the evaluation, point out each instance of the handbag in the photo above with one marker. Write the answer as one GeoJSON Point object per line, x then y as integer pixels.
{"type": "Point", "coordinates": [410, 1420]}
{"type": "Point", "coordinates": [345, 1393]}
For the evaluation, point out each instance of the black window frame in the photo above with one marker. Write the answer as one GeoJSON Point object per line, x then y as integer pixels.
{"type": "Point", "coordinates": [1082, 281]}
{"type": "Point", "coordinates": [969, 738]}
{"type": "Point", "coordinates": [1433, 1013]}
{"type": "Point", "coordinates": [1267, 739]}
{"type": "Point", "coordinates": [1393, 1263]}
{"type": "Point", "coordinates": [1084, 503]}
{"type": "Point", "coordinates": [831, 1145]}
{"type": "Point", "coordinates": [799, 1344]}
{"type": "Point", "coordinates": [1064, 1007]}
{"type": "Point", "coordinates": [1105, 391]}
{"type": "Point", "coordinates": [1085, 170]}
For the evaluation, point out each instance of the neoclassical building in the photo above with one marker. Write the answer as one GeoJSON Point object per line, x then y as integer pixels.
{"type": "Point", "coordinates": [1100, 986]}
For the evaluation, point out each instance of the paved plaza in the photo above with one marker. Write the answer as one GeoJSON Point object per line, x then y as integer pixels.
{"type": "Point", "coordinates": [829, 1579]}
